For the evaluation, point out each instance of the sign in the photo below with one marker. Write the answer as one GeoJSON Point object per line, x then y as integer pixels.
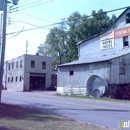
{"type": "Point", "coordinates": [1, 5]}
{"type": "Point", "coordinates": [107, 40]}
{"type": "Point", "coordinates": [121, 32]}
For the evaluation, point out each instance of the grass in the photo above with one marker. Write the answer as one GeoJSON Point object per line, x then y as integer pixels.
{"type": "Point", "coordinates": [92, 98]}
{"type": "Point", "coordinates": [17, 118]}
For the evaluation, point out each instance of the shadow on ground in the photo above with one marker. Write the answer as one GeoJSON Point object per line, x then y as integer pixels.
{"type": "Point", "coordinates": [4, 128]}
{"type": "Point", "coordinates": [20, 113]}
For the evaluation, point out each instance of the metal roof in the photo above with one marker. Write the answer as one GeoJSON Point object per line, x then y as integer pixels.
{"type": "Point", "coordinates": [95, 59]}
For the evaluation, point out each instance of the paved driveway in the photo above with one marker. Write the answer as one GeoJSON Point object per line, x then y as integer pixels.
{"type": "Point", "coordinates": [103, 113]}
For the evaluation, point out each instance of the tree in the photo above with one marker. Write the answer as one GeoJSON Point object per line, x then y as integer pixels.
{"type": "Point", "coordinates": [74, 21]}
{"type": "Point", "coordinates": [55, 46]}
{"type": "Point", "coordinates": [61, 42]}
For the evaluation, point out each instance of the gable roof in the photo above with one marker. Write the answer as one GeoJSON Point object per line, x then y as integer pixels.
{"type": "Point", "coordinates": [106, 29]}
{"type": "Point", "coordinates": [95, 59]}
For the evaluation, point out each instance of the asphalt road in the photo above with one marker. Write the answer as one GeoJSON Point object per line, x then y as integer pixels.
{"type": "Point", "coordinates": [97, 112]}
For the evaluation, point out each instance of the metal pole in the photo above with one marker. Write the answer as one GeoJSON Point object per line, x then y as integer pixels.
{"type": "Point", "coordinates": [26, 46]}
{"type": "Point", "coordinates": [3, 45]}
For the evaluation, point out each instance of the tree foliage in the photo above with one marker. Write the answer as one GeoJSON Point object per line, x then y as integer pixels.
{"type": "Point", "coordinates": [61, 41]}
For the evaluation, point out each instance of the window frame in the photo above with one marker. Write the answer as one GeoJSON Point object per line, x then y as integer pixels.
{"type": "Point", "coordinates": [121, 68]}
{"type": "Point", "coordinates": [32, 65]}
{"type": "Point", "coordinates": [71, 70]}
{"type": "Point", "coordinates": [16, 79]}
{"type": "Point", "coordinates": [16, 64]}
{"type": "Point", "coordinates": [12, 79]}
{"type": "Point", "coordinates": [8, 66]}
{"type": "Point", "coordinates": [21, 61]}
{"type": "Point", "coordinates": [20, 78]}
{"type": "Point", "coordinates": [125, 41]}
{"type": "Point", "coordinates": [12, 65]}
{"type": "Point", "coordinates": [43, 65]}
{"type": "Point", "coordinates": [127, 18]}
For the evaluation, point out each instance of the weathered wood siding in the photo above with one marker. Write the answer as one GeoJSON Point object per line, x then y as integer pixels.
{"type": "Point", "coordinates": [115, 76]}
{"type": "Point", "coordinates": [81, 74]}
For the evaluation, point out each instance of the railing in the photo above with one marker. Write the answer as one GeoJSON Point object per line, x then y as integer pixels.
{"type": "Point", "coordinates": [75, 90]}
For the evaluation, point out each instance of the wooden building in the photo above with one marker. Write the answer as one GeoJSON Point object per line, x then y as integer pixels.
{"type": "Point", "coordinates": [103, 64]}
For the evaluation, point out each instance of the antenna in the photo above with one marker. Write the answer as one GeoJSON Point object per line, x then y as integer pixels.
{"type": "Point", "coordinates": [26, 46]}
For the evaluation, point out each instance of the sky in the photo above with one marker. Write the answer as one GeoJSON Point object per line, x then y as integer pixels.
{"type": "Point", "coordinates": [46, 12]}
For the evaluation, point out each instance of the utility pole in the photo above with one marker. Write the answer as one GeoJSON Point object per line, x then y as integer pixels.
{"type": "Point", "coordinates": [0, 35]}
{"type": "Point", "coordinates": [2, 54]}
{"type": "Point", "coordinates": [26, 46]}
{"type": "Point", "coordinates": [3, 44]}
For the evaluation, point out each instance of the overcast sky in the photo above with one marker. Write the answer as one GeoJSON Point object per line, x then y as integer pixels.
{"type": "Point", "coordinates": [46, 13]}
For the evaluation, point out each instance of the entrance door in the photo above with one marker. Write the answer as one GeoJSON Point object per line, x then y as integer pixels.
{"type": "Point", "coordinates": [37, 83]}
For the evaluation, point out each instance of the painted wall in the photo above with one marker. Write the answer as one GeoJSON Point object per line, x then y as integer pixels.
{"type": "Point", "coordinates": [80, 76]}
{"type": "Point", "coordinates": [91, 48]}
{"type": "Point", "coordinates": [116, 77]}
{"type": "Point", "coordinates": [38, 69]}
{"type": "Point", "coordinates": [23, 72]}
{"type": "Point", "coordinates": [16, 73]}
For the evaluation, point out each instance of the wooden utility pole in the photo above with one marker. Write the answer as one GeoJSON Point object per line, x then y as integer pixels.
{"type": "Point", "coordinates": [2, 55]}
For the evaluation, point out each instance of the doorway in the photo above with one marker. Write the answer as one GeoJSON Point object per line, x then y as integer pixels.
{"type": "Point", "coordinates": [37, 83]}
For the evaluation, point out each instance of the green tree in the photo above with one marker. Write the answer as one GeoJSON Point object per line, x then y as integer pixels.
{"type": "Point", "coordinates": [61, 42]}
{"type": "Point", "coordinates": [55, 45]}
{"type": "Point", "coordinates": [74, 21]}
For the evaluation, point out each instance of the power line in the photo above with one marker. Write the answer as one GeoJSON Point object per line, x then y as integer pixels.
{"type": "Point", "coordinates": [30, 3]}
{"type": "Point", "coordinates": [35, 17]}
{"type": "Point", "coordinates": [23, 1]}
{"type": "Point", "coordinates": [71, 20]}
{"type": "Point", "coordinates": [35, 5]}
{"type": "Point", "coordinates": [32, 24]}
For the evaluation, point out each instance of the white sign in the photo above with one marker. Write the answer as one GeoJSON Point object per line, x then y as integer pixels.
{"type": "Point", "coordinates": [107, 40]}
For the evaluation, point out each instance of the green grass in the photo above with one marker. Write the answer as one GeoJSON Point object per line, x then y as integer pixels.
{"type": "Point", "coordinates": [17, 118]}
{"type": "Point", "coordinates": [92, 98]}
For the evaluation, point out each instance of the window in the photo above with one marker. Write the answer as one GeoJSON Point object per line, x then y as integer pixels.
{"type": "Point", "coordinates": [32, 64]}
{"type": "Point", "coordinates": [17, 64]}
{"type": "Point", "coordinates": [8, 79]}
{"type": "Point", "coordinates": [12, 79]}
{"type": "Point", "coordinates": [71, 70]}
{"type": "Point", "coordinates": [16, 78]}
{"type": "Point", "coordinates": [12, 65]}
{"type": "Point", "coordinates": [20, 63]}
{"type": "Point", "coordinates": [128, 18]}
{"type": "Point", "coordinates": [125, 41]}
{"type": "Point", "coordinates": [122, 68]}
{"type": "Point", "coordinates": [43, 65]}
{"type": "Point", "coordinates": [9, 66]}
{"type": "Point", "coordinates": [20, 78]}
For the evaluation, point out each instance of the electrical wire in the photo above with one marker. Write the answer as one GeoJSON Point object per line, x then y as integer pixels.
{"type": "Point", "coordinates": [23, 1]}
{"type": "Point", "coordinates": [35, 5]}
{"type": "Point", "coordinates": [35, 17]}
{"type": "Point", "coordinates": [30, 3]}
{"type": "Point", "coordinates": [15, 34]}
{"type": "Point", "coordinates": [32, 24]}
{"type": "Point", "coordinates": [71, 20]}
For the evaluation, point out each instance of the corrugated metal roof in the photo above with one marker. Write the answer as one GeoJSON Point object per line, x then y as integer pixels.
{"type": "Point", "coordinates": [95, 59]}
